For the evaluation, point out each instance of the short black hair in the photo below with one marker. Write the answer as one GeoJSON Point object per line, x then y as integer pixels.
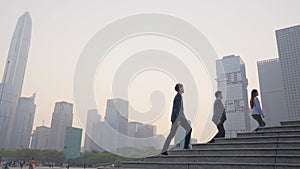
{"type": "Point", "coordinates": [218, 93]}
{"type": "Point", "coordinates": [178, 86]}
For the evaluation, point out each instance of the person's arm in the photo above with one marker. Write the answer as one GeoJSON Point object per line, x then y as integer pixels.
{"type": "Point", "coordinates": [257, 103]}
{"type": "Point", "coordinates": [176, 108]}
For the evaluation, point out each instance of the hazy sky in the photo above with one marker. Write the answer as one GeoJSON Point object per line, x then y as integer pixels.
{"type": "Point", "coordinates": [61, 29]}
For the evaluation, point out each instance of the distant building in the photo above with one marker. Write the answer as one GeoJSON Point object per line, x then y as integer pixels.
{"type": "Point", "coordinates": [13, 77]}
{"type": "Point", "coordinates": [146, 131]}
{"type": "Point", "coordinates": [133, 129]}
{"type": "Point", "coordinates": [232, 81]}
{"type": "Point", "coordinates": [288, 44]}
{"type": "Point", "coordinates": [40, 138]}
{"type": "Point", "coordinates": [92, 117]}
{"type": "Point", "coordinates": [23, 122]}
{"type": "Point", "coordinates": [72, 142]}
{"type": "Point", "coordinates": [117, 120]}
{"type": "Point", "coordinates": [99, 136]}
{"type": "Point", "coordinates": [271, 91]}
{"type": "Point", "coordinates": [143, 135]}
{"type": "Point", "coordinates": [62, 118]}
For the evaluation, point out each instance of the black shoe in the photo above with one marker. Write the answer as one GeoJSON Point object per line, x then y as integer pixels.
{"type": "Point", "coordinates": [164, 153]}
{"type": "Point", "coordinates": [187, 148]}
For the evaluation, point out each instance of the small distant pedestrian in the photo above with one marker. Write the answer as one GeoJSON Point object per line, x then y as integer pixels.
{"type": "Point", "coordinates": [31, 164]}
{"type": "Point", "coordinates": [256, 111]}
{"type": "Point", "coordinates": [21, 163]}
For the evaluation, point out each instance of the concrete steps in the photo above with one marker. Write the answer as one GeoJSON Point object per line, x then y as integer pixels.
{"type": "Point", "coordinates": [261, 144]}
{"type": "Point", "coordinates": [270, 133]}
{"type": "Point", "coordinates": [258, 138]}
{"type": "Point", "coordinates": [237, 151]}
{"type": "Point", "coordinates": [209, 165]}
{"type": "Point", "coordinates": [290, 159]}
{"type": "Point", "coordinates": [269, 147]}
{"type": "Point", "coordinates": [284, 123]}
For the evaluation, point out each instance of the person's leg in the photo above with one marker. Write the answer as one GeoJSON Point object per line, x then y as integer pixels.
{"type": "Point", "coordinates": [188, 133]}
{"type": "Point", "coordinates": [169, 138]}
{"type": "Point", "coordinates": [221, 129]}
{"type": "Point", "coordinates": [260, 121]}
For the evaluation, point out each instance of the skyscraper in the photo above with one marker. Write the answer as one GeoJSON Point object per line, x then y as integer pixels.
{"type": "Point", "coordinates": [116, 118]}
{"type": "Point", "coordinates": [62, 118]}
{"type": "Point", "coordinates": [12, 82]}
{"type": "Point", "coordinates": [40, 138]}
{"type": "Point", "coordinates": [232, 81]}
{"type": "Point", "coordinates": [72, 143]}
{"type": "Point", "coordinates": [117, 114]}
{"type": "Point", "coordinates": [23, 122]}
{"type": "Point", "coordinates": [271, 91]}
{"type": "Point", "coordinates": [92, 117]}
{"type": "Point", "coordinates": [288, 44]}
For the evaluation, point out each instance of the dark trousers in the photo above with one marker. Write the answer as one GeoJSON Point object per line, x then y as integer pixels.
{"type": "Point", "coordinates": [188, 130]}
{"type": "Point", "coordinates": [221, 130]}
{"type": "Point", "coordinates": [259, 120]}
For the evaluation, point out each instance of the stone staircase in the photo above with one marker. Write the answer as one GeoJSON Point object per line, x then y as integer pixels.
{"type": "Point", "coordinates": [268, 148]}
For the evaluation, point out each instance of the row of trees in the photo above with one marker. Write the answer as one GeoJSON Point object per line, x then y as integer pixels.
{"type": "Point", "coordinates": [44, 157]}
{"type": "Point", "coordinates": [40, 156]}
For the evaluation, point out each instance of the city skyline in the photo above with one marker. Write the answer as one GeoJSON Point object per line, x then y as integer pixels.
{"type": "Point", "coordinates": [63, 92]}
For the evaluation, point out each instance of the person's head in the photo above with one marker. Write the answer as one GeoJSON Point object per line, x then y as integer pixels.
{"type": "Point", "coordinates": [179, 88]}
{"type": "Point", "coordinates": [219, 95]}
{"type": "Point", "coordinates": [254, 93]}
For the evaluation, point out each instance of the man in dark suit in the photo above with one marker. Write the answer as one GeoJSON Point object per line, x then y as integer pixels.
{"type": "Point", "coordinates": [219, 116]}
{"type": "Point", "coordinates": [177, 119]}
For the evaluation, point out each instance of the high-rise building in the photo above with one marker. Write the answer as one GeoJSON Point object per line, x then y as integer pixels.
{"type": "Point", "coordinates": [23, 122]}
{"type": "Point", "coordinates": [117, 118]}
{"type": "Point", "coordinates": [13, 77]}
{"type": "Point", "coordinates": [72, 143]}
{"type": "Point", "coordinates": [271, 91]}
{"type": "Point", "coordinates": [101, 137]}
{"type": "Point", "coordinates": [92, 117]}
{"type": "Point", "coordinates": [62, 118]}
{"type": "Point", "coordinates": [146, 131]}
{"type": "Point", "coordinates": [40, 138]}
{"type": "Point", "coordinates": [133, 128]}
{"type": "Point", "coordinates": [288, 44]}
{"type": "Point", "coordinates": [232, 81]}
{"type": "Point", "coordinates": [142, 135]}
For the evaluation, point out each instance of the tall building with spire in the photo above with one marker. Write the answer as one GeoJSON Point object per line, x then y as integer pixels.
{"type": "Point", "coordinates": [13, 77]}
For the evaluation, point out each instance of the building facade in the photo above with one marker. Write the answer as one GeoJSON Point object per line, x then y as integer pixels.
{"type": "Point", "coordinates": [232, 81]}
{"type": "Point", "coordinates": [116, 118]}
{"type": "Point", "coordinates": [13, 77]}
{"type": "Point", "coordinates": [40, 138]}
{"type": "Point", "coordinates": [72, 143]}
{"type": "Point", "coordinates": [89, 140]}
{"type": "Point", "coordinates": [23, 123]}
{"type": "Point", "coordinates": [288, 45]}
{"type": "Point", "coordinates": [62, 118]}
{"type": "Point", "coordinates": [271, 91]}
